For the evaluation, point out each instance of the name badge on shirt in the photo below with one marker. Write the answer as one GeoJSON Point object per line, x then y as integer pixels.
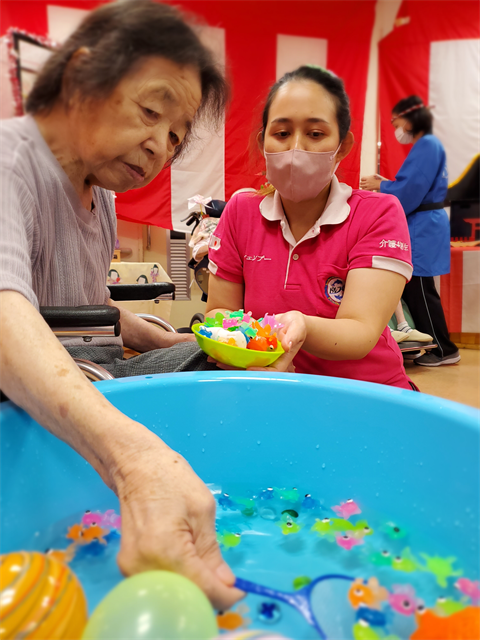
{"type": "Point", "coordinates": [334, 289]}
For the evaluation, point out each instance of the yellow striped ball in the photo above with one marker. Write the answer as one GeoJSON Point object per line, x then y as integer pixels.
{"type": "Point", "coordinates": [40, 598]}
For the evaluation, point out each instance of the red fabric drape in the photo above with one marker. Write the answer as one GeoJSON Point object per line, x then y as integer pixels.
{"type": "Point", "coordinates": [404, 61]}
{"type": "Point", "coordinates": [251, 29]}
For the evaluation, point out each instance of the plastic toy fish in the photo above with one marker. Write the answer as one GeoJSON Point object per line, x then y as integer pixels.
{"type": "Point", "coordinates": [393, 531]}
{"type": "Point", "coordinates": [374, 617]}
{"type": "Point", "coordinates": [339, 525]}
{"type": "Point", "coordinates": [75, 532]}
{"type": "Point", "coordinates": [92, 517]}
{"type": "Point", "coordinates": [269, 612]}
{"type": "Point", "coordinates": [469, 588]}
{"type": "Point", "coordinates": [271, 321]}
{"type": "Point", "coordinates": [323, 527]}
{"type": "Point", "coordinates": [348, 542]}
{"type": "Point", "coordinates": [363, 631]}
{"type": "Point", "coordinates": [448, 606]}
{"type": "Point", "coordinates": [361, 529]}
{"type": "Point", "coordinates": [381, 558]}
{"type": "Point", "coordinates": [463, 625]}
{"type": "Point", "coordinates": [289, 527]}
{"type": "Point", "coordinates": [227, 503]}
{"type": "Point", "coordinates": [291, 495]}
{"type": "Point", "coordinates": [403, 599]}
{"type": "Point", "coordinates": [249, 506]}
{"type": "Point", "coordinates": [266, 494]}
{"type": "Point", "coordinates": [62, 555]}
{"type": "Point", "coordinates": [440, 567]}
{"type": "Point", "coordinates": [111, 519]}
{"type": "Point", "coordinates": [405, 562]}
{"type": "Point", "coordinates": [228, 539]}
{"type": "Point", "coordinates": [310, 503]}
{"type": "Point", "coordinates": [370, 595]}
{"type": "Point", "coordinates": [288, 514]}
{"type": "Point", "coordinates": [300, 582]}
{"type": "Point", "coordinates": [228, 323]}
{"type": "Point", "coordinates": [94, 533]}
{"type": "Point", "coordinates": [347, 509]}
{"type": "Point", "coordinates": [258, 343]}
{"type": "Point", "coordinates": [272, 343]}
{"type": "Point", "coordinates": [232, 620]}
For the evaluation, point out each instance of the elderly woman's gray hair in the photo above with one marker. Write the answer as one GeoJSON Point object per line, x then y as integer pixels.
{"type": "Point", "coordinates": [117, 35]}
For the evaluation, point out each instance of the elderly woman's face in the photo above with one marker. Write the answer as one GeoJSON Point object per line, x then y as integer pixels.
{"type": "Point", "coordinates": [125, 140]}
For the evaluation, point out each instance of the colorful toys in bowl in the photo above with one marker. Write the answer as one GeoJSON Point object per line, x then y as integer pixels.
{"type": "Point", "coordinates": [40, 597]}
{"type": "Point", "coordinates": [238, 340]}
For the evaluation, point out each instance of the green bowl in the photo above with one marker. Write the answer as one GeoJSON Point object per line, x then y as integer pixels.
{"type": "Point", "coordinates": [236, 356]}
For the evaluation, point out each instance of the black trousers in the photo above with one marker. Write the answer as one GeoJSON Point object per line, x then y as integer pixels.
{"type": "Point", "coordinates": [424, 303]}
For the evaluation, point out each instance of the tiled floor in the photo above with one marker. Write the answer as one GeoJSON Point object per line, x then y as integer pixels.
{"type": "Point", "coordinates": [459, 382]}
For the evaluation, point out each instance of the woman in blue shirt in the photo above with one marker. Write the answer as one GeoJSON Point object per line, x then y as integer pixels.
{"type": "Point", "coordinates": [421, 186]}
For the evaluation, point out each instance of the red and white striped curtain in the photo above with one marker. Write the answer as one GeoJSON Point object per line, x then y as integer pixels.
{"type": "Point", "coordinates": [258, 40]}
{"type": "Point", "coordinates": [434, 52]}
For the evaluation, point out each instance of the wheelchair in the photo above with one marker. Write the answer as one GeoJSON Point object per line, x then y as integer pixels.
{"type": "Point", "coordinates": [88, 322]}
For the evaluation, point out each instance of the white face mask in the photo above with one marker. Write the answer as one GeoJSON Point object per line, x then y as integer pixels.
{"type": "Point", "coordinates": [403, 137]}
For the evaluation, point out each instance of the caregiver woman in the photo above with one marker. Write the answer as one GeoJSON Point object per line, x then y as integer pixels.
{"type": "Point", "coordinates": [330, 261]}
{"type": "Point", "coordinates": [109, 109]}
{"type": "Point", "coordinates": [421, 186]}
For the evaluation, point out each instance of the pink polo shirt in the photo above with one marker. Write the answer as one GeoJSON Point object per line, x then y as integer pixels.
{"type": "Point", "coordinates": [253, 245]}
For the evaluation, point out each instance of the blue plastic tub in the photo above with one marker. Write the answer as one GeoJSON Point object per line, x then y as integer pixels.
{"type": "Point", "coordinates": [413, 457]}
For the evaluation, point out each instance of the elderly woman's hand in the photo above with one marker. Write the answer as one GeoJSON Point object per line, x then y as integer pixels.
{"type": "Point", "coordinates": [168, 521]}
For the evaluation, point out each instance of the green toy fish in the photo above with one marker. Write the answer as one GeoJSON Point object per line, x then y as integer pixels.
{"type": "Point", "coordinates": [323, 527]}
{"type": "Point", "coordinates": [289, 527]}
{"type": "Point", "coordinates": [249, 506]}
{"type": "Point", "coordinates": [361, 529]}
{"type": "Point", "coordinates": [290, 495]}
{"type": "Point", "coordinates": [440, 567]}
{"type": "Point", "coordinates": [393, 531]}
{"type": "Point", "coordinates": [300, 582]}
{"type": "Point", "coordinates": [405, 562]}
{"type": "Point", "coordinates": [448, 606]}
{"type": "Point", "coordinates": [228, 539]}
{"type": "Point", "coordinates": [381, 559]}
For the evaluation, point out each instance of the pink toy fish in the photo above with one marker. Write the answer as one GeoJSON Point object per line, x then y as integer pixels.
{"type": "Point", "coordinates": [347, 509]}
{"type": "Point", "coordinates": [403, 599]}
{"type": "Point", "coordinates": [92, 517]}
{"type": "Point", "coordinates": [230, 322]}
{"type": "Point", "coordinates": [108, 519]}
{"type": "Point", "coordinates": [469, 588]}
{"type": "Point", "coordinates": [348, 542]}
{"type": "Point", "coordinates": [111, 519]}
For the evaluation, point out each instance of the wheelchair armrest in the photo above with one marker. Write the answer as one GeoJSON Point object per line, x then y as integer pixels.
{"type": "Point", "coordinates": [101, 315]}
{"type": "Point", "coordinates": [91, 320]}
{"type": "Point", "coordinates": [152, 291]}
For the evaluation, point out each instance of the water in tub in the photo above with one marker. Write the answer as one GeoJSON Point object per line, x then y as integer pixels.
{"type": "Point", "coordinates": [395, 582]}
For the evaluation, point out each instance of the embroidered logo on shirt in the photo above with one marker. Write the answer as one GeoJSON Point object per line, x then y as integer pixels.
{"type": "Point", "coordinates": [256, 258]}
{"type": "Point", "coordinates": [214, 242]}
{"type": "Point", "coordinates": [392, 244]}
{"type": "Point", "coordinates": [334, 288]}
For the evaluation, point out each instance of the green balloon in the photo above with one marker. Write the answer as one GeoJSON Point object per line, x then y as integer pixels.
{"type": "Point", "coordinates": [154, 605]}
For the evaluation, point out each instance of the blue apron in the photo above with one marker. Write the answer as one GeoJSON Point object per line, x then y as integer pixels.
{"type": "Point", "coordinates": [422, 180]}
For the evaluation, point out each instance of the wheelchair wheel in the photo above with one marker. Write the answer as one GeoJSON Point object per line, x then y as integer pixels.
{"type": "Point", "coordinates": [198, 317]}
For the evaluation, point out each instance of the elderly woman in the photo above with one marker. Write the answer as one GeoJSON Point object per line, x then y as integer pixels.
{"type": "Point", "coordinates": [108, 111]}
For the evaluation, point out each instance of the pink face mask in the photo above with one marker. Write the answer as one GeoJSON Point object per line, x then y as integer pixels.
{"type": "Point", "coordinates": [300, 175]}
